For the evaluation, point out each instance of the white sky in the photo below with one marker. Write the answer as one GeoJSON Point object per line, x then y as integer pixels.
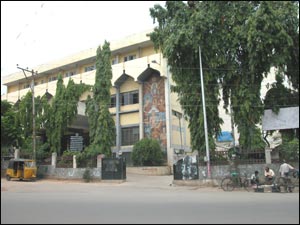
{"type": "Point", "coordinates": [37, 32]}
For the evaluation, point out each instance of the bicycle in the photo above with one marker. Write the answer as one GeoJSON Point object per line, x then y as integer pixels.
{"type": "Point", "coordinates": [289, 181]}
{"type": "Point", "coordinates": [229, 183]}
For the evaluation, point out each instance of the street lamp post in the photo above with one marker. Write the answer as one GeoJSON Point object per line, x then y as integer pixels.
{"type": "Point", "coordinates": [204, 115]}
{"type": "Point", "coordinates": [33, 109]}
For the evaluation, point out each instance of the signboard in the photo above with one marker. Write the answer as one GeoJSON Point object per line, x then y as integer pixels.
{"type": "Point", "coordinates": [76, 143]}
{"type": "Point", "coordinates": [225, 136]}
{"type": "Point", "coordinates": [287, 118]}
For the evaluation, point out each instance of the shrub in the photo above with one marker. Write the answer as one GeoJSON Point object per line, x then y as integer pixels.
{"type": "Point", "coordinates": [87, 175]}
{"type": "Point", "coordinates": [147, 152]}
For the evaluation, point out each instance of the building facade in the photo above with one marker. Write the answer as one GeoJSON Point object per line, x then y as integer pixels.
{"type": "Point", "coordinates": [142, 104]}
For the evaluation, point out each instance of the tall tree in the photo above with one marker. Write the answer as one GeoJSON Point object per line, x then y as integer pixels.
{"type": "Point", "coordinates": [102, 125]}
{"type": "Point", "coordinates": [25, 117]}
{"type": "Point", "coordinates": [62, 111]}
{"type": "Point", "coordinates": [240, 42]}
{"type": "Point", "coordinates": [57, 121]}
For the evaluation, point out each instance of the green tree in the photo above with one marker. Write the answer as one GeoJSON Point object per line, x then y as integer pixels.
{"type": "Point", "coordinates": [24, 119]}
{"type": "Point", "coordinates": [102, 125]}
{"type": "Point", "coordinates": [240, 42]}
{"type": "Point", "coordinates": [62, 111]}
{"type": "Point", "coordinates": [57, 123]}
{"type": "Point", "coordinates": [10, 131]}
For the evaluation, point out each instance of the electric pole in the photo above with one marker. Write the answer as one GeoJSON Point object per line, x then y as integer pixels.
{"type": "Point", "coordinates": [33, 108]}
{"type": "Point", "coordinates": [204, 115]}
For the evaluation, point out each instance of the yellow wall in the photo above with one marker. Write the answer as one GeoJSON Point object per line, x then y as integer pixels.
{"type": "Point", "coordinates": [126, 108]}
{"type": "Point", "coordinates": [129, 85]}
{"type": "Point", "coordinates": [147, 51]}
{"type": "Point", "coordinates": [13, 88]}
{"type": "Point", "coordinates": [113, 91]}
{"type": "Point", "coordinates": [129, 118]}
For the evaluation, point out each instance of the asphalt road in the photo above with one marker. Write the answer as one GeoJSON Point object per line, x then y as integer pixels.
{"type": "Point", "coordinates": [140, 200]}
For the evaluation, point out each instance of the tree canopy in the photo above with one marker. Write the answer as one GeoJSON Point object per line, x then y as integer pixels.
{"type": "Point", "coordinates": [240, 41]}
{"type": "Point", "coordinates": [62, 111]}
{"type": "Point", "coordinates": [10, 131]}
{"type": "Point", "coordinates": [101, 123]}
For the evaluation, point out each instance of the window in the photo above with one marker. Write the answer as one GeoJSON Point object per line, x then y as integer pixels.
{"type": "Point", "coordinates": [114, 61]}
{"type": "Point", "coordinates": [129, 57]}
{"type": "Point", "coordinates": [26, 86]}
{"type": "Point", "coordinates": [130, 98]}
{"type": "Point", "coordinates": [112, 101]}
{"type": "Point", "coordinates": [130, 135]}
{"type": "Point", "coordinates": [135, 97]}
{"type": "Point", "coordinates": [52, 79]}
{"type": "Point", "coordinates": [70, 73]}
{"type": "Point", "coordinates": [89, 68]}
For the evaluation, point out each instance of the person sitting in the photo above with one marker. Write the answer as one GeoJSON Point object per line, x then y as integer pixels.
{"type": "Point", "coordinates": [269, 175]}
{"type": "Point", "coordinates": [255, 178]}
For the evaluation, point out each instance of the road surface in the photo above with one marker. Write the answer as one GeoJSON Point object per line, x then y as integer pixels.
{"type": "Point", "coordinates": [140, 200]}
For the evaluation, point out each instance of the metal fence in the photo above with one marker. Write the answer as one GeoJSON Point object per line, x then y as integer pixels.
{"type": "Point", "coordinates": [247, 157]}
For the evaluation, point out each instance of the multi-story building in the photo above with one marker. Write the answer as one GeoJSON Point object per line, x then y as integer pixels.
{"type": "Point", "coordinates": [141, 102]}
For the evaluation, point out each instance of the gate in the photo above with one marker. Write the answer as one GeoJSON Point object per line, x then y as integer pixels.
{"type": "Point", "coordinates": [186, 168]}
{"type": "Point", "coordinates": [113, 169]}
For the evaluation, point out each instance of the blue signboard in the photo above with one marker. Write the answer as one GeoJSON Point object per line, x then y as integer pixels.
{"type": "Point", "coordinates": [225, 136]}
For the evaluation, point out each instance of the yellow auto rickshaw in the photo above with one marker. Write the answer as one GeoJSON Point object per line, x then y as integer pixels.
{"type": "Point", "coordinates": [21, 169]}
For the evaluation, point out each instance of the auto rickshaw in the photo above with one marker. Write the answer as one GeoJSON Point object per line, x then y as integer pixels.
{"type": "Point", "coordinates": [21, 169]}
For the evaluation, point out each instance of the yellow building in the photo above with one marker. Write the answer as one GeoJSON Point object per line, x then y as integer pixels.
{"type": "Point", "coordinates": [141, 101]}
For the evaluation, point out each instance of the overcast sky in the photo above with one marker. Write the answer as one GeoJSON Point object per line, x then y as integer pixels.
{"type": "Point", "coordinates": [37, 32]}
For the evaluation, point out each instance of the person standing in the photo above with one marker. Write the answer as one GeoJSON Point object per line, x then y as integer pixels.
{"type": "Point", "coordinates": [284, 172]}
{"type": "Point", "coordinates": [284, 169]}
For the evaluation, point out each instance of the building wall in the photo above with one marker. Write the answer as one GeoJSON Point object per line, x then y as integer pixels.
{"type": "Point", "coordinates": [154, 109]}
{"type": "Point", "coordinates": [147, 51]}
{"type": "Point", "coordinates": [129, 119]}
{"type": "Point", "coordinates": [149, 115]}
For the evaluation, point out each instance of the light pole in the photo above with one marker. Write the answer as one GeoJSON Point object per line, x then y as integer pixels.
{"type": "Point", "coordinates": [33, 110]}
{"type": "Point", "coordinates": [204, 115]}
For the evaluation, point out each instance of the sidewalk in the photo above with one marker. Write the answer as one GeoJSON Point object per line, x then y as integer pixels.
{"type": "Point", "coordinates": [133, 181]}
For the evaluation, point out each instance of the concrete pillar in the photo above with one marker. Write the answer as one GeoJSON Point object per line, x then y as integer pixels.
{"type": "Point", "coordinates": [170, 150]}
{"type": "Point", "coordinates": [141, 110]}
{"type": "Point", "coordinates": [268, 155]}
{"type": "Point", "coordinates": [118, 123]}
{"type": "Point", "coordinates": [99, 160]}
{"type": "Point", "coordinates": [17, 153]}
{"type": "Point", "coordinates": [53, 159]}
{"type": "Point", "coordinates": [74, 161]}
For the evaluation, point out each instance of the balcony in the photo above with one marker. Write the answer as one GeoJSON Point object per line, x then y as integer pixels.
{"type": "Point", "coordinates": [132, 68]}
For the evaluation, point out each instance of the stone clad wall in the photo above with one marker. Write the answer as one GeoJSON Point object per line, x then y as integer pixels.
{"type": "Point", "coordinates": [150, 170]}
{"type": "Point", "coordinates": [67, 173]}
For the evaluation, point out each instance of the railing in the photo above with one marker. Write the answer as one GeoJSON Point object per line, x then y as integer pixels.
{"type": "Point", "coordinates": [224, 158]}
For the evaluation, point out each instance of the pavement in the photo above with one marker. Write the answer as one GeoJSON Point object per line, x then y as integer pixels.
{"type": "Point", "coordinates": [135, 181]}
